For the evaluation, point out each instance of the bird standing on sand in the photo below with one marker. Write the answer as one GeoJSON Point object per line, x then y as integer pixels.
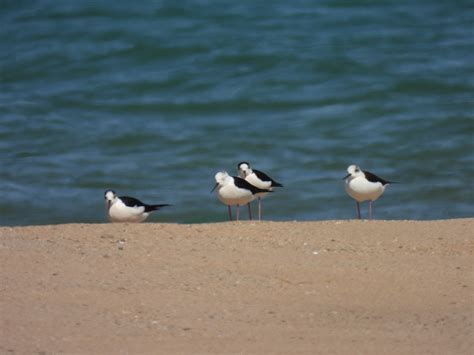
{"type": "Point", "coordinates": [258, 179]}
{"type": "Point", "coordinates": [127, 209]}
{"type": "Point", "coordinates": [232, 190]}
{"type": "Point", "coordinates": [362, 185]}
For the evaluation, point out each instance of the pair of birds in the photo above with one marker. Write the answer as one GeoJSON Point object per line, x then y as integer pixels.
{"type": "Point", "coordinates": [243, 189]}
{"type": "Point", "coordinates": [361, 185]}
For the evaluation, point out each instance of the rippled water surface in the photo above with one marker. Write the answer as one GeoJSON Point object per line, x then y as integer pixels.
{"type": "Point", "coordinates": [151, 99]}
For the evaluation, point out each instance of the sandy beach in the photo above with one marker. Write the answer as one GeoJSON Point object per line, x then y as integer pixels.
{"type": "Point", "coordinates": [332, 287]}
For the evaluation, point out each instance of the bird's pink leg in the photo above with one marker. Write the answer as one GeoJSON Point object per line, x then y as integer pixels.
{"type": "Point", "coordinates": [230, 212]}
{"type": "Point", "coordinates": [358, 209]}
{"type": "Point", "coordinates": [250, 211]}
{"type": "Point", "coordinates": [237, 213]}
{"type": "Point", "coordinates": [259, 208]}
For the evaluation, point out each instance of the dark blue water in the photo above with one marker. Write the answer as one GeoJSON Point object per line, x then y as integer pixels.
{"type": "Point", "coordinates": [153, 98]}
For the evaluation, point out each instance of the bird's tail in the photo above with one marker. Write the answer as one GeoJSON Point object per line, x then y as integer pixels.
{"type": "Point", "coordinates": [149, 208]}
{"type": "Point", "coordinates": [258, 190]}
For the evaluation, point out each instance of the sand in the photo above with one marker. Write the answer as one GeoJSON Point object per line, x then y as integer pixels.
{"type": "Point", "coordinates": [333, 287]}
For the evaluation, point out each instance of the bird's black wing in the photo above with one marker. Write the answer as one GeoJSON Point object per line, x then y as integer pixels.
{"type": "Point", "coordinates": [264, 177]}
{"type": "Point", "coordinates": [374, 178]}
{"type": "Point", "coordinates": [244, 184]}
{"type": "Point", "coordinates": [132, 201]}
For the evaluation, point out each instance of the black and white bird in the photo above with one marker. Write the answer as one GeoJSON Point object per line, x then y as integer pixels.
{"type": "Point", "coordinates": [127, 209]}
{"type": "Point", "coordinates": [258, 179]}
{"type": "Point", "coordinates": [362, 185]}
{"type": "Point", "coordinates": [233, 190]}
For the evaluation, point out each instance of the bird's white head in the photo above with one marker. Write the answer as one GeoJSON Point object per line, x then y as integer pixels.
{"type": "Point", "coordinates": [222, 178]}
{"type": "Point", "coordinates": [244, 169]}
{"type": "Point", "coordinates": [110, 196]}
{"type": "Point", "coordinates": [353, 171]}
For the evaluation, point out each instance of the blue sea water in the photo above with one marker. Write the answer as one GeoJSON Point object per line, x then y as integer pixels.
{"type": "Point", "coordinates": [153, 98]}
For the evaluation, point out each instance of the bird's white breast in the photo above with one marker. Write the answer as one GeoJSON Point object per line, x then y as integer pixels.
{"type": "Point", "coordinates": [360, 189]}
{"type": "Point", "coordinates": [232, 195]}
{"type": "Point", "coordinates": [119, 212]}
{"type": "Point", "coordinates": [255, 181]}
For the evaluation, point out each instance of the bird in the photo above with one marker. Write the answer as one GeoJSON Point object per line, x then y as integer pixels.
{"type": "Point", "coordinates": [233, 190]}
{"type": "Point", "coordinates": [127, 209]}
{"type": "Point", "coordinates": [258, 179]}
{"type": "Point", "coordinates": [363, 185]}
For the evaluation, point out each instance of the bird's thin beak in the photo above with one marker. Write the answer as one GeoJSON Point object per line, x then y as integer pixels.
{"type": "Point", "coordinates": [217, 184]}
{"type": "Point", "coordinates": [345, 177]}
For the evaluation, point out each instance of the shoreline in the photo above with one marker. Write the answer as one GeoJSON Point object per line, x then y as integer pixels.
{"type": "Point", "coordinates": [151, 222]}
{"type": "Point", "coordinates": [338, 286]}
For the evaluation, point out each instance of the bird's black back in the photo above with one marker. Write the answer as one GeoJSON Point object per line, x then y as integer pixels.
{"type": "Point", "coordinates": [264, 177]}
{"type": "Point", "coordinates": [244, 184]}
{"type": "Point", "coordinates": [131, 201]}
{"type": "Point", "coordinates": [374, 178]}
{"type": "Point", "coordinates": [134, 202]}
